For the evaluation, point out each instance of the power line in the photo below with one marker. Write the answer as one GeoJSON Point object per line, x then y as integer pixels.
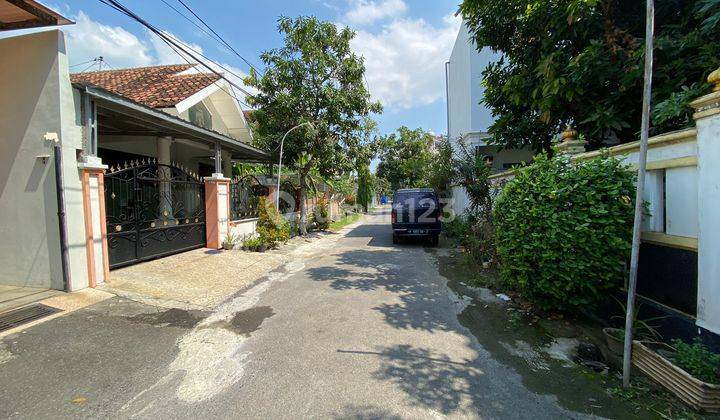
{"type": "Point", "coordinates": [88, 67]}
{"type": "Point", "coordinates": [84, 62]}
{"type": "Point", "coordinates": [218, 35]}
{"type": "Point", "coordinates": [212, 35]}
{"type": "Point", "coordinates": [184, 48]}
{"type": "Point", "coordinates": [181, 50]}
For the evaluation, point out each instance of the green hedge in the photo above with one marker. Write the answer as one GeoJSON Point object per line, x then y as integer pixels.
{"type": "Point", "coordinates": [272, 228]}
{"type": "Point", "coordinates": [564, 230]}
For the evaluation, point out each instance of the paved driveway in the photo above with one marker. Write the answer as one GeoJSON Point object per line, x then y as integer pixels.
{"type": "Point", "coordinates": [350, 327]}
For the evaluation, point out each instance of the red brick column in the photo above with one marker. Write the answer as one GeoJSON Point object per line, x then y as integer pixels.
{"type": "Point", "coordinates": [96, 248]}
{"type": "Point", "coordinates": [217, 210]}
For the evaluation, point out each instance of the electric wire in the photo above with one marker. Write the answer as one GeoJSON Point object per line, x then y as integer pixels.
{"type": "Point", "coordinates": [218, 35]}
{"type": "Point", "coordinates": [212, 35]}
{"type": "Point", "coordinates": [182, 50]}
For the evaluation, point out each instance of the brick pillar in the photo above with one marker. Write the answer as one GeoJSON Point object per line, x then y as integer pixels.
{"type": "Point", "coordinates": [96, 249]}
{"type": "Point", "coordinates": [217, 210]}
{"type": "Point", "coordinates": [272, 194]}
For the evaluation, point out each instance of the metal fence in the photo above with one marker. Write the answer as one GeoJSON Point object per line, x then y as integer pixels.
{"type": "Point", "coordinates": [245, 193]}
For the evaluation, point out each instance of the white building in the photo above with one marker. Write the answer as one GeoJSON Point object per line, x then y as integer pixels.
{"type": "Point", "coordinates": [468, 119]}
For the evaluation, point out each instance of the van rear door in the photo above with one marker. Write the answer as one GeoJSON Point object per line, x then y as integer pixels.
{"type": "Point", "coordinates": [416, 207]}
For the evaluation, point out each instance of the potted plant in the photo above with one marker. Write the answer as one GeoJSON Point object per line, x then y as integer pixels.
{"type": "Point", "coordinates": [642, 330]}
{"type": "Point", "coordinates": [229, 242]}
{"type": "Point", "coordinates": [690, 371]}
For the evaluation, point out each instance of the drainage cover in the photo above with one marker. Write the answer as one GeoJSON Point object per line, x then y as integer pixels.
{"type": "Point", "coordinates": [17, 317]}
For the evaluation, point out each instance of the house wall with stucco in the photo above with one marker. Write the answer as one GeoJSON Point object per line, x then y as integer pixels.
{"type": "Point", "coordinates": [36, 98]}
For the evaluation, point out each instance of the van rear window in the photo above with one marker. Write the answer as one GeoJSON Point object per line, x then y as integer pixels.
{"type": "Point", "coordinates": [416, 196]}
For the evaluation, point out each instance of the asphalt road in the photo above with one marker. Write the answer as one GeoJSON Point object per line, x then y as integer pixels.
{"type": "Point", "coordinates": [351, 327]}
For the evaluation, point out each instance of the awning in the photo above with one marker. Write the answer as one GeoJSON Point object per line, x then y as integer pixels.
{"type": "Point", "coordinates": [118, 115]}
{"type": "Point", "coordinates": [22, 14]}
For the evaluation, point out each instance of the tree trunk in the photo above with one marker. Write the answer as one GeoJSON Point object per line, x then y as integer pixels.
{"type": "Point", "coordinates": [303, 204]}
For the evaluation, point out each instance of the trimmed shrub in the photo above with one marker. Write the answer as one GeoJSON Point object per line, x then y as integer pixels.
{"type": "Point", "coordinates": [272, 228]}
{"type": "Point", "coordinates": [564, 230]}
{"type": "Point", "coordinates": [321, 217]}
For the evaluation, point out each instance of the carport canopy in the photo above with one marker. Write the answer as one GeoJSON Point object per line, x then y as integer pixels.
{"type": "Point", "coordinates": [117, 115]}
{"type": "Point", "coordinates": [23, 14]}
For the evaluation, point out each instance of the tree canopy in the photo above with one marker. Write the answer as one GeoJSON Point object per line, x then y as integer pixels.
{"type": "Point", "coordinates": [314, 77]}
{"type": "Point", "coordinates": [581, 62]}
{"type": "Point", "coordinates": [405, 158]}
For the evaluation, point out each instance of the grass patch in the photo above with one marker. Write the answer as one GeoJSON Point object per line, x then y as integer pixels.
{"type": "Point", "coordinates": [344, 221]}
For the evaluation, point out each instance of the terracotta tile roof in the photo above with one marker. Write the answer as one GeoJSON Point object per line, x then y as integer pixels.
{"type": "Point", "coordinates": [157, 87]}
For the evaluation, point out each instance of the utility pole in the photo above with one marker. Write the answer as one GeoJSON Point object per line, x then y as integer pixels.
{"type": "Point", "coordinates": [642, 166]}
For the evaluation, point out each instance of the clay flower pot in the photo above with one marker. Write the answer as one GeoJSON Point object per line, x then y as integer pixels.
{"type": "Point", "coordinates": [615, 344]}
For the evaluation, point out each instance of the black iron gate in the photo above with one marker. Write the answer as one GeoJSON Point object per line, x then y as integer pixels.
{"type": "Point", "coordinates": [152, 210]}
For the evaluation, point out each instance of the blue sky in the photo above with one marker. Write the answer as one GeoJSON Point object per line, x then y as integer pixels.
{"type": "Point", "coordinates": [405, 43]}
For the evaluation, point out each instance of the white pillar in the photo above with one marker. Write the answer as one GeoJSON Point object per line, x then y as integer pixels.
{"type": "Point", "coordinates": [227, 164]}
{"type": "Point", "coordinates": [707, 116]}
{"type": "Point", "coordinates": [163, 157]}
{"type": "Point", "coordinates": [218, 159]}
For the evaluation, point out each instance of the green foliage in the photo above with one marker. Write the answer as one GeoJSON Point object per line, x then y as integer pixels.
{"type": "Point", "coordinates": [272, 228]}
{"type": "Point", "coordinates": [314, 77]}
{"type": "Point", "coordinates": [440, 171]}
{"type": "Point", "coordinates": [405, 158]}
{"type": "Point", "coordinates": [253, 243]}
{"type": "Point", "coordinates": [643, 329]}
{"type": "Point", "coordinates": [364, 187]}
{"type": "Point", "coordinates": [321, 218]}
{"type": "Point", "coordinates": [675, 111]}
{"type": "Point", "coordinates": [471, 171]}
{"type": "Point", "coordinates": [697, 360]}
{"type": "Point", "coordinates": [564, 229]}
{"type": "Point", "coordinates": [581, 61]}
{"type": "Point", "coordinates": [344, 221]}
{"type": "Point", "coordinates": [457, 227]}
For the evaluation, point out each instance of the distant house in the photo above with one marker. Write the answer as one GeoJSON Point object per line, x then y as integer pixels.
{"type": "Point", "coordinates": [468, 119]}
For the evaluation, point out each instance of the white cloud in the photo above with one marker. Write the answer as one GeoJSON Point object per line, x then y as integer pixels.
{"type": "Point", "coordinates": [364, 12]}
{"type": "Point", "coordinates": [119, 48]}
{"type": "Point", "coordinates": [88, 39]}
{"type": "Point", "coordinates": [405, 60]}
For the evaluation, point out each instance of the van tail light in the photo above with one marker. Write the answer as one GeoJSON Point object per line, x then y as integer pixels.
{"type": "Point", "coordinates": [393, 217]}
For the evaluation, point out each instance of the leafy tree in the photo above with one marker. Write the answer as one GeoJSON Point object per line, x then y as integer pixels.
{"type": "Point", "coordinates": [405, 158]}
{"type": "Point", "coordinates": [382, 186]}
{"type": "Point", "coordinates": [581, 61]}
{"type": "Point", "coordinates": [440, 172]}
{"type": "Point", "coordinates": [314, 77]}
{"type": "Point", "coordinates": [364, 186]}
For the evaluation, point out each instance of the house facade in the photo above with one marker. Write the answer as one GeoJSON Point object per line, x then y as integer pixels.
{"type": "Point", "coordinates": [468, 119]}
{"type": "Point", "coordinates": [104, 169]}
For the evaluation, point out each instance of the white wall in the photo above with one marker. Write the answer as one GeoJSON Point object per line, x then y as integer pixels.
{"type": "Point", "coordinates": [36, 98]}
{"type": "Point", "coordinates": [466, 114]}
{"type": "Point", "coordinates": [708, 126]}
{"type": "Point", "coordinates": [468, 119]}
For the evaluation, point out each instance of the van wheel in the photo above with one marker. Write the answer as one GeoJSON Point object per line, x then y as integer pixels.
{"type": "Point", "coordinates": [434, 240]}
{"type": "Point", "coordinates": [396, 240]}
